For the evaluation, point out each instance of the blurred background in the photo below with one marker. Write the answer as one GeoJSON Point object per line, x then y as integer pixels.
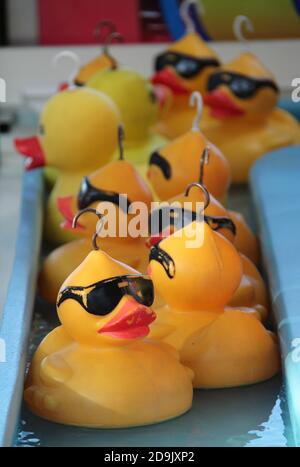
{"type": "Point", "coordinates": [53, 22]}
{"type": "Point", "coordinates": [33, 31]}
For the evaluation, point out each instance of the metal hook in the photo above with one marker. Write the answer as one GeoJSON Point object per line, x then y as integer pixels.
{"type": "Point", "coordinates": [238, 23]}
{"type": "Point", "coordinates": [203, 189]}
{"type": "Point", "coordinates": [74, 57]}
{"type": "Point", "coordinates": [109, 40]}
{"type": "Point", "coordinates": [203, 161]}
{"type": "Point", "coordinates": [196, 100]}
{"type": "Point", "coordinates": [185, 15]}
{"type": "Point", "coordinates": [121, 136]}
{"type": "Point", "coordinates": [105, 23]}
{"type": "Point", "coordinates": [98, 229]}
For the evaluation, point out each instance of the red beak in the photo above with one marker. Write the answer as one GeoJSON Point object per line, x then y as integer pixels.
{"type": "Point", "coordinates": [161, 93]}
{"type": "Point", "coordinates": [153, 240]}
{"type": "Point", "coordinates": [63, 86]}
{"type": "Point", "coordinates": [31, 148]}
{"type": "Point", "coordinates": [64, 204]}
{"type": "Point", "coordinates": [221, 105]}
{"type": "Point", "coordinates": [131, 322]}
{"type": "Point", "coordinates": [168, 78]}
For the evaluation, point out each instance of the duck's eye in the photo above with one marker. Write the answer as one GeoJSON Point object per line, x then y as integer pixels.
{"type": "Point", "coordinates": [41, 129]}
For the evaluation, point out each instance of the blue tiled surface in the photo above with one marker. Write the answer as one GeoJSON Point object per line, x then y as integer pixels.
{"type": "Point", "coordinates": [275, 182]}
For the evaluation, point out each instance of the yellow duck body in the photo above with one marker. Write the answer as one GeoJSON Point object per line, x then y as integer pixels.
{"type": "Point", "coordinates": [245, 128]}
{"type": "Point", "coordinates": [172, 78]}
{"type": "Point", "coordinates": [224, 346]}
{"type": "Point", "coordinates": [77, 134]}
{"type": "Point", "coordinates": [244, 239]}
{"type": "Point", "coordinates": [115, 177]}
{"type": "Point", "coordinates": [64, 259]}
{"type": "Point", "coordinates": [139, 108]}
{"type": "Point", "coordinates": [252, 290]}
{"type": "Point", "coordinates": [176, 164]}
{"type": "Point", "coordinates": [94, 371]}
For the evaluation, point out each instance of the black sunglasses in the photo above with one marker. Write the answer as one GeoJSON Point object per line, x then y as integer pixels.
{"type": "Point", "coordinates": [185, 65]}
{"type": "Point", "coordinates": [217, 223]}
{"type": "Point", "coordinates": [102, 297]}
{"type": "Point", "coordinates": [88, 194]}
{"type": "Point", "coordinates": [162, 163]}
{"type": "Point", "coordinates": [163, 258]}
{"type": "Point", "coordinates": [240, 85]}
{"type": "Point", "coordinates": [162, 218]}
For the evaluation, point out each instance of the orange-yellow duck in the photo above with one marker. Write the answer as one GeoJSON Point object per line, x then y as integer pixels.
{"type": "Point", "coordinates": [196, 271]}
{"type": "Point", "coordinates": [97, 369]}
{"type": "Point", "coordinates": [182, 68]}
{"type": "Point", "coordinates": [114, 186]}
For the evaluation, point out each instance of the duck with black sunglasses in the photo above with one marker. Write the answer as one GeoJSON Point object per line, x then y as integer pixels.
{"type": "Point", "coordinates": [242, 117]}
{"type": "Point", "coordinates": [243, 238]}
{"type": "Point", "coordinates": [252, 291]}
{"type": "Point", "coordinates": [97, 369]}
{"type": "Point", "coordinates": [224, 346]}
{"type": "Point", "coordinates": [176, 164]}
{"type": "Point", "coordinates": [107, 185]}
{"type": "Point", "coordinates": [182, 68]}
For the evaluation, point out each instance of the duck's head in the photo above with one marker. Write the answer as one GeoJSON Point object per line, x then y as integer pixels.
{"type": "Point", "coordinates": [77, 131]}
{"type": "Point", "coordinates": [175, 165]}
{"type": "Point", "coordinates": [186, 207]}
{"type": "Point", "coordinates": [105, 302]}
{"type": "Point", "coordinates": [118, 183]}
{"type": "Point", "coordinates": [134, 96]}
{"type": "Point", "coordinates": [195, 276]}
{"type": "Point", "coordinates": [104, 61]}
{"type": "Point", "coordinates": [243, 87]}
{"type": "Point", "coordinates": [185, 66]}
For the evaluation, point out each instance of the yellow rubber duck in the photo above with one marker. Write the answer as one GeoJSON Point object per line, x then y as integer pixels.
{"type": "Point", "coordinates": [183, 68]}
{"type": "Point", "coordinates": [109, 184]}
{"type": "Point", "coordinates": [77, 134]}
{"type": "Point", "coordinates": [243, 238]}
{"type": "Point", "coordinates": [139, 106]}
{"type": "Point", "coordinates": [176, 164]}
{"type": "Point", "coordinates": [252, 291]}
{"type": "Point", "coordinates": [242, 117]}
{"type": "Point", "coordinates": [197, 275]}
{"type": "Point", "coordinates": [97, 369]}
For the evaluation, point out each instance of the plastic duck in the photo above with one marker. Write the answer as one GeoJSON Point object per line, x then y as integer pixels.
{"type": "Point", "coordinates": [106, 185]}
{"type": "Point", "coordinates": [196, 279]}
{"type": "Point", "coordinates": [105, 60]}
{"type": "Point", "coordinates": [138, 113]}
{"type": "Point", "coordinates": [240, 234]}
{"type": "Point", "coordinates": [183, 68]}
{"type": "Point", "coordinates": [97, 369]}
{"type": "Point", "coordinates": [77, 134]}
{"type": "Point", "coordinates": [176, 164]}
{"type": "Point", "coordinates": [252, 291]}
{"type": "Point", "coordinates": [243, 120]}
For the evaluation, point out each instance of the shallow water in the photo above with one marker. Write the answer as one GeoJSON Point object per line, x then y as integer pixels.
{"type": "Point", "coordinates": [251, 416]}
{"type": "Point", "coordinates": [255, 416]}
